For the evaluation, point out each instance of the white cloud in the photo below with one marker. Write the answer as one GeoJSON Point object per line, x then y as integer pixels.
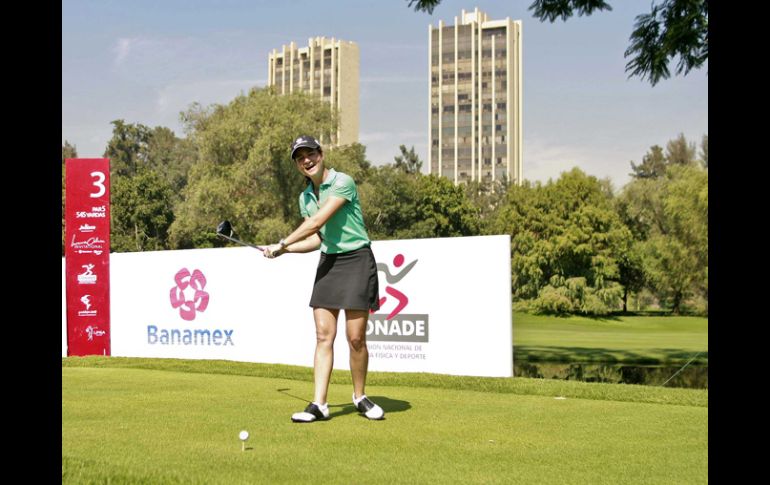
{"type": "Point", "coordinates": [159, 60]}
{"type": "Point", "coordinates": [122, 49]}
{"type": "Point", "coordinates": [546, 159]}
{"type": "Point", "coordinates": [161, 108]}
{"type": "Point", "coordinates": [382, 146]}
{"type": "Point", "coordinates": [90, 140]}
{"type": "Point", "coordinates": [176, 97]}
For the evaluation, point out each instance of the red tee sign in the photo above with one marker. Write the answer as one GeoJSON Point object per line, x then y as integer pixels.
{"type": "Point", "coordinates": [87, 255]}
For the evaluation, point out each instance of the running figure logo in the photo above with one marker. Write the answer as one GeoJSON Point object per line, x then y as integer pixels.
{"type": "Point", "coordinates": [393, 279]}
{"type": "Point", "coordinates": [199, 299]}
{"type": "Point", "coordinates": [87, 277]}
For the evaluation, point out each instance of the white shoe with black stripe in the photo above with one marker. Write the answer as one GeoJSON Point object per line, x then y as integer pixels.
{"type": "Point", "coordinates": [366, 407]}
{"type": "Point", "coordinates": [312, 412]}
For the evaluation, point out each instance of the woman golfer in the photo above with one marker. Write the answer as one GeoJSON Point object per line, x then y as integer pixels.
{"type": "Point", "coordinates": [346, 278]}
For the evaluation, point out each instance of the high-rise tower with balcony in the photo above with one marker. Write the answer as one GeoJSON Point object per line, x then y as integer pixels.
{"type": "Point", "coordinates": [475, 117]}
{"type": "Point", "coordinates": [327, 68]}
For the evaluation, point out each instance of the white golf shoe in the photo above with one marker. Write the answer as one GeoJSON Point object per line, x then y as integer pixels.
{"type": "Point", "coordinates": [366, 407]}
{"type": "Point", "coordinates": [311, 413]}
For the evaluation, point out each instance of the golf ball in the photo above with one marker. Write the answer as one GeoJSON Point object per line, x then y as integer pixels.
{"type": "Point", "coordinates": [244, 435]}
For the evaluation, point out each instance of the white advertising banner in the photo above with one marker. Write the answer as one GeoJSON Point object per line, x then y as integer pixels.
{"type": "Point", "coordinates": [445, 306]}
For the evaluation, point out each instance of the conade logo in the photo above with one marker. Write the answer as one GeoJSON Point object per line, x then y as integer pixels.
{"type": "Point", "coordinates": [392, 325]}
{"type": "Point", "coordinates": [401, 299]}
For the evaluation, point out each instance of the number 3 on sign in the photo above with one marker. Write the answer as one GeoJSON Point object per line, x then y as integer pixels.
{"type": "Point", "coordinates": [99, 184]}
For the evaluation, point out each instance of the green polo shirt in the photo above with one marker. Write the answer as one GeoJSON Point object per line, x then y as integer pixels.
{"type": "Point", "coordinates": [345, 230]}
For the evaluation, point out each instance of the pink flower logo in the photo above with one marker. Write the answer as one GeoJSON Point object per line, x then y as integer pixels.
{"type": "Point", "coordinates": [200, 299]}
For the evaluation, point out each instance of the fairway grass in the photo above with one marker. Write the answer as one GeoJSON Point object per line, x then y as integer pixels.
{"type": "Point", "coordinates": [614, 339]}
{"type": "Point", "coordinates": [177, 421]}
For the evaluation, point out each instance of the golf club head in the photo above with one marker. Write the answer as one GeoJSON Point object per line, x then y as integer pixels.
{"type": "Point", "coordinates": [225, 228]}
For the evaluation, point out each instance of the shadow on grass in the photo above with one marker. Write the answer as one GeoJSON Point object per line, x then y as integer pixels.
{"type": "Point", "coordinates": [387, 404]}
{"type": "Point", "coordinates": [283, 391]}
{"type": "Point", "coordinates": [693, 377]}
{"type": "Point", "coordinates": [609, 356]}
{"type": "Point", "coordinates": [615, 316]}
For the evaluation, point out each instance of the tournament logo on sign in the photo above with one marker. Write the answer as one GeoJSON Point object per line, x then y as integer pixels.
{"type": "Point", "coordinates": [395, 326]}
{"type": "Point", "coordinates": [91, 245]}
{"type": "Point", "coordinates": [92, 330]}
{"type": "Point", "coordinates": [87, 277]}
{"type": "Point", "coordinates": [86, 301]}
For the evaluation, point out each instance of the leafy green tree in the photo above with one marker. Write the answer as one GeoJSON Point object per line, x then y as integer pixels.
{"type": "Point", "coordinates": [134, 145]}
{"type": "Point", "coordinates": [640, 208]}
{"type": "Point", "coordinates": [67, 151]}
{"type": "Point", "coordinates": [668, 264]}
{"type": "Point", "coordinates": [400, 205]}
{"type": "Point", "coordinates": [244, 172]}
{"type": "Point", "coordinates": [573, 295]}
{"type": "Point", "coordinates": [653, 164]}
{"type": "Point", "coordinates": [686, 207]}
{"type": "Point", "coordinates": [674, 29]}
{"type": "Point", "coordinates": [127, 147]}
{"type": "Point", "coordinates": [631, 270]}
{"type": "Point", "coordinates": [680, 152]}
{"type": "Point", "coordinates": [388, 201]}
{"type": "Point", "coordinates": [442, 210]}
{"type": "Point", "coordinates": [171, 157]}
{"type": "Point", "coordinates": [664, 192]}
{"type": "Point", "coordinates": [350, 159]}
{"type": "Point", "coordinates": [487, 197]}
{"type": "Point", "coordinates": [408, 161]}
{"type": "Point", "coordinates": [669, 217]}
{"type": "Point", "coordinates": [141, 212]}
{"type": "Point", "coordinates": [140, 156]}
{"type": "Point", "coordinates": [567, 243]}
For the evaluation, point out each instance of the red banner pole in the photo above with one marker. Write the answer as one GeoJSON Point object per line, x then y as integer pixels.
{"type": "Point", "coordinates": [87, 255]}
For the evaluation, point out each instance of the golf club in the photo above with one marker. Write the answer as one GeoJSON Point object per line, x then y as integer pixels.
{"type": "Point", "coordinates": [225, 230]}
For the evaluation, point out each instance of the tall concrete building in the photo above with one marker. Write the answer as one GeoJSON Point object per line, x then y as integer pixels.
{"type": "Point", "coordinates": [475, 117]}
{"type": "Point", "coordinates": [327, 68]}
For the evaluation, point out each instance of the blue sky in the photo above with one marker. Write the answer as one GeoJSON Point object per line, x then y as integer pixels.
{"type": "Point", "coordinates": [146, 61]}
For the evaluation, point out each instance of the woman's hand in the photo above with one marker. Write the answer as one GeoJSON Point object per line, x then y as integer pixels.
{"type": "Point", "coordinates": [274, 250]}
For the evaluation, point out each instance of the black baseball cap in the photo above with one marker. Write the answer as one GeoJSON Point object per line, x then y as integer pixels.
{"type": "Point", "coordinates": [304, 141]}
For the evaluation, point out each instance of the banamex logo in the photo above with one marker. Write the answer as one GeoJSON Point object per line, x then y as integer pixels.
{"type": "Point", "coordinates": [188, 295]}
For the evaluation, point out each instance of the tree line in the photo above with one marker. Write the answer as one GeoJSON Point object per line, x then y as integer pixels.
{"type": "Point", "coordinates": [577, 245]}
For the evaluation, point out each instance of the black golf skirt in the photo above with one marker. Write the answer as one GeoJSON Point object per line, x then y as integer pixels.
{"type": "Point", "coordinates": [347, 281]}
